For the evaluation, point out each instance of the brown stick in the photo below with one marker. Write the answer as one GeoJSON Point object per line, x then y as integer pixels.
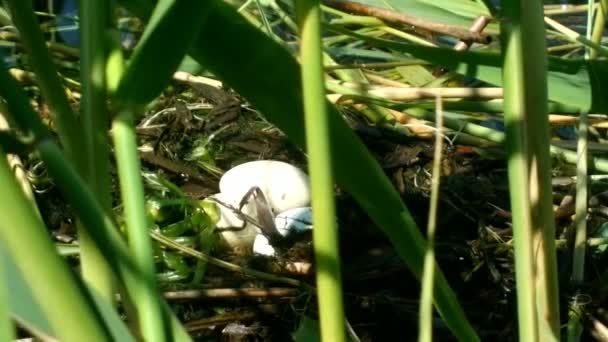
{"type": "Point", "coordinates": [228, 293]}
{"type": "Point", "coordinates": [478, 25]}
{"type": "Point", "coordinates": [221, 319]}
{"type": "Point", "coordinates": [394, 18]}
{"type": "Point", "coordinates": [169, 165]}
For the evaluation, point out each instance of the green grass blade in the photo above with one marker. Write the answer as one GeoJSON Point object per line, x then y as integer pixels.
{"type": "Point", "coordinates": [425, 321]}
{"type": "Point", "coordinates": [53, 91]}
{"type": "Point", "coordinates": [598, 25]}
{"type": "Point", "coordinates": [575, 321]}
{"type": "Point", "coordinates": [95, 122]}
{"type": "Point", "coordinates": [146, 294]}
{"type": "Point", "coordinates": [100, 226]}
{"type": "Point", "coordinates": [23, 305]}
{"type": "Point", "coordinates": [520, 199]}
{"type": "Point", "coordinates": [582, 198]}
{"type": "Point", "coordinates": [173, 23]}
{"type": "Point", "coordinates": [103, 230]}
{"type": "Point", "coordinates": [318, 142]}
{"type": "Point", "coordinates": [525, 77]}
{"type": "Point", "coordinates": [28, 313]}
{"type": "Point", "coordinates": [172, 27]}
{"type": "Point", "coordinates": [573, 82]}
{"type": "Point", "coordinates": [70, 132]}
{"type": "Point", "coordinates": [54, 286]}
{"type": "Point", "coordinates": [7, 330]}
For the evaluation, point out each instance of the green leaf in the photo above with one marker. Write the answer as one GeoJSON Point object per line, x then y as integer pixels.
{"type": "Point", "coordinates": [169, 33]}
{"type": "Point", "coordinates": [189, 65]}
{"type": "Point", "coordinates": [308, 331]}
{"type": "Point", "coordinates": [449, 12]}
{"type": "Point", "coordinates": [571, 82]}
{"type": "Point", "coordinates": [115, 324]}
{"type": "Point", "coordinates": [25, 308]}
{"type": "Point", "coordinates": [416, 75]}
{"type": "Point", "coordinates": [23, 305]}
{"type": "Point", "coordinates": [601, 232]}
{"type": "Point", "coordinates": [567, 89]}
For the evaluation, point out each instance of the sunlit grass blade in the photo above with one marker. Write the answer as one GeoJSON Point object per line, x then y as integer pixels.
{"type": "Point", "coordinates": [428, 276]}
{"type": "Point", "coordinates": [83, 321]}
{"type": "Point", "coordinates": [598, 25]}
{"type": "Point", "coordinates": [575, 37]}
{"type": "Point", "coordinates": [318, 143]}
{"type": "Point", "coordinates": [24, 308]}
{"type": "Point", "coordinates": [525, 87]}
{"type": "Point", "coordinates": [580, 240]}
{"type": "Point", "coordinates": [29, 316]}
{"type": "Point", "coordinates": [149, 308]}
{"type": "Point", "coordinates": [175, 24]}
{"type": "Point", "coordinates": [575, 321]}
